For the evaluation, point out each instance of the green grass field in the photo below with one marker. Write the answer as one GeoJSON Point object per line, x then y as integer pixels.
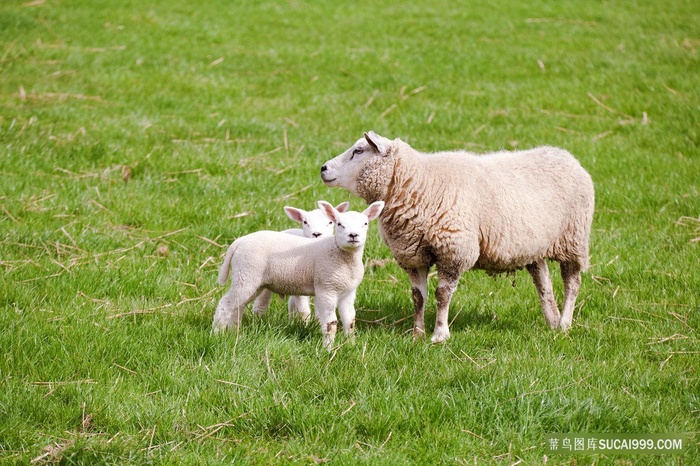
{"type": "Point", "coordinates": [138, 139]}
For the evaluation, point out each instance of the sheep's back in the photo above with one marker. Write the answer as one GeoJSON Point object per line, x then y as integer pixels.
{"type": "Point", "coordinates": [281, 262]}
{"type": "Point", "coordinates": [540, 206]}
{"type": "Point", "coordinates": [499, 211]}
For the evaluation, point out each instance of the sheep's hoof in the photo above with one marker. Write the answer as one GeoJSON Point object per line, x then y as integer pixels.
{"type": "Point", "coordinates": [553, 323]}
{"type": "Point", "coordinates": [328, 344]}
{"type": "Point", "coordinates": [440, 335]}
{"type": "Point", "coordinates": [418, 334]}
{"type": "Point", "coordinates": [218, 328]}
{"type": "Point", "coordinates": [564, 325]}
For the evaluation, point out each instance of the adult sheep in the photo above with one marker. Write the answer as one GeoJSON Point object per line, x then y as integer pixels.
{"type": "Point", "coordinates": [497, 212]}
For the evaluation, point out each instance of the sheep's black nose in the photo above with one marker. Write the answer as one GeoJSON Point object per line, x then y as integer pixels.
{"type": "Point", "coordinates": [315, 235]}
{"type": "Point", "coordinates": [353, 235]}
{"type": "Point", "coordinates": [324, 168]}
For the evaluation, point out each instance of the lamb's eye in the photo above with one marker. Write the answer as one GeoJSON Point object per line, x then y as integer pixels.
{"type": "Point", "coordinates": [330, 223]}
{"type": "Point", "coordinates": [341, 225]}
{"type": "Point", "coordinates": [305, 222]}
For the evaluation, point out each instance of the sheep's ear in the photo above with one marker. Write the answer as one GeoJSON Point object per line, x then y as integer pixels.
{"type": "Point", "coordinates": [329, 211]}
{"type": "Point", "coordinates": [343, 207]}
{"type": "Point", "coordinates": [374, 210]}
{"type": "Point", "coordinates": [377, 142]}
{"type": "Point", "coordinates": [295, 214]}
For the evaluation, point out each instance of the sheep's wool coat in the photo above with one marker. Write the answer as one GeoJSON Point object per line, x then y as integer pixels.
{"type": "Point", "coordinates": [497, 212]}
{"type": "Point", "coordinates": [292, 265]}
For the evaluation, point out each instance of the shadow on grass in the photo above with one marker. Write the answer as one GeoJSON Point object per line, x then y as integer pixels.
{"type": "Point", "coordinates": [460, 320]}
{"type": "Point", "coordinates": [301, 331]}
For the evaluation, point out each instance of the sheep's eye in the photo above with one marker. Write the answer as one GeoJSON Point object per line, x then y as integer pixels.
{"type": "Point", "coordinates": [305, 222]}
{"type": "Point", "coordinates": [357, 151]}
{"type": "Point", "coordinates": [366, 223]}
{"type": "Point", "coordinates": [330, 223]}
{"type": "Point", "coordinates": [341, 225]}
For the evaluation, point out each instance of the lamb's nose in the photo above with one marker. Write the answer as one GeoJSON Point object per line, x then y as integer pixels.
{"type": "Point", "coordinates": [315, 235]}
{"type": "Point", "coordinates": [324, 168]}
{"type": "Point", "coordinates": [353, 235]}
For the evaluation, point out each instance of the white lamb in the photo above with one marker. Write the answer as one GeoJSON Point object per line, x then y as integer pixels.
{"type": "Point", "coordinates": [329, 268]}
{"type": "Point", "coordinates": [497, 212]}
{"type": "Point", "coordinates": [314, 224]}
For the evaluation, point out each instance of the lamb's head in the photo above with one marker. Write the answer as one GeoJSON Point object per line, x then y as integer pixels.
{"type": "Point", "coordinates": [314, 224]}
{"type": "Point", "coordinates": [365, 169]}
{"type": "Point", "coordinates": [351, 227]}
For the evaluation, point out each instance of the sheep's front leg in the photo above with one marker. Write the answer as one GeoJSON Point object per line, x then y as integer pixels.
{"type": "Point", "coordinates": [447, 284]}
{"type": "Point", "coordinates": [346, 309]}
{"type": "Point", "coordinates": [419, 285]}
{"type": "Point", "coordinates": [543, 283]}
{"type": "Point", "coordinates": [325, 312]}
{"type": "Point", "coordinates": [571, 275]}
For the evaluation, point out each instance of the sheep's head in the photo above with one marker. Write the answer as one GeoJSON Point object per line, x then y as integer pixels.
{"type": "Point", "coordinates": [314, 224]}
{"type": "Point", "coordinates": [365, 169]}
{"type": "Point", "coordinates": [351, 227]}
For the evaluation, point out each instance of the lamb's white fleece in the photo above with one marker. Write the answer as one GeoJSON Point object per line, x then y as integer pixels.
{"type": "Point", "coordinates": [330, 269]}
{"type": "Point", "coordinates": [314, 224]}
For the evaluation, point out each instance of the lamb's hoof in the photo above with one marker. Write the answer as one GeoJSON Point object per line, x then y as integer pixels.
{"type": "Point", "coordinates": [418, 334]}
{"type": "Point", "coordinates": [218, 328]}
{"type": "Point", "coordinates": [440, 335]}
{"type": "Point", "coordinates": [328, 344]}
{"type": "Point", "coordinates": [564, 325]}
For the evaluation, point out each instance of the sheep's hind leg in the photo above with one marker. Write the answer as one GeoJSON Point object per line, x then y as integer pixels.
{"type": "Point", "coordinates": [543, 282]}
{"type": "Point", "coordinates": [299, 306]}
{"type": "Point", "coordinates": [419, 285]}
{"type": "Point", "coordinates": [447, 284]}
{"type": "Point", "coordinates": [262, 302]}
{"type": "Point", "coordinates": [229, 311]}
{"type": "Point", "coordinates": [571, 275]}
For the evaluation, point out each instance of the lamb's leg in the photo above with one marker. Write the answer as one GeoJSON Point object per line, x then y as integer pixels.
{"type": "Point", "coordinates": [229, 311]}
{"type": "Point", "coordinates": [346, 310]}
{"type": "Point", "coordinates": [299, 306]}
{"type": "Point", "coordinates": [262, 302]}
{"type": "Point", "coordinates": [325, 312]}
{"type": "Point", "coordinates": [540, 275]}
{"type": "Point", "coordinates": [571, 275]}
{"type": "Point", "coordinates": [223, 317]}
{"type": "Point", "coordinates": [419, 284]}
{"type": "Point", "coordinates": [447, 284]}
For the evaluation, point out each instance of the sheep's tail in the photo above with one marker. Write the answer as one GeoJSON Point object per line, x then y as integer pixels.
{"type": "Point", "coordinates": [226, 266]}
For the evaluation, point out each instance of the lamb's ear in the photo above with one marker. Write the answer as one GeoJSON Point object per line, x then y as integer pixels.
{"type": "Point", "coordinates": [295, 214]}
{"type": "Point", "coordinates": [374, 210]}
{"type": "Point", "coordinates": [377, 142]}
{"type": "Point", "coordinates": [329, 211]}
{"type": "Point", "coordinates": [343, 207]}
